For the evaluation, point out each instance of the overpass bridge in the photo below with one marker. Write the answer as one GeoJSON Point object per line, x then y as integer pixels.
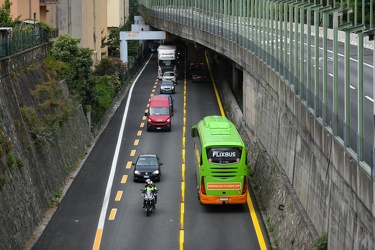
{"type": "Point", "coordinates": [298, 102]}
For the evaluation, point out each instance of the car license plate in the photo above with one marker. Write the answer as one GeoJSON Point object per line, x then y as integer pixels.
{"type": "Point", "coordinates": [146, 176]}
{"type": "Point", "coordinates": [158, 128]}
{"type": "Point", "coordinates": [223, 199]}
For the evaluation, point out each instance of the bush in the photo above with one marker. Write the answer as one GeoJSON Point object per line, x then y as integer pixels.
{"type": "Point", "coordinates": [321, 243]}
{"type": "Point", "coordinates": [103, 93]}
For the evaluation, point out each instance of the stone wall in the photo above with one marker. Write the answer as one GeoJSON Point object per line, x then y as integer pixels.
{"type": "Point", "coordinates": [41, 169]}
{"type": "Point", "coordinates": [306, 183]}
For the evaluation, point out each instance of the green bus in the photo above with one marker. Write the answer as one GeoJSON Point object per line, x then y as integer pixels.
{"type": "Point", "coordinates": [220, 162]}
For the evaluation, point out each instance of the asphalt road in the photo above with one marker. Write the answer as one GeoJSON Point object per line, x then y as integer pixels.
{"type": "Point", "coordinates": [180, 221]}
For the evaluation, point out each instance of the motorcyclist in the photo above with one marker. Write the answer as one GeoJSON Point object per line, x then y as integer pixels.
{"type": "Point", "coordinates": [150, 185]}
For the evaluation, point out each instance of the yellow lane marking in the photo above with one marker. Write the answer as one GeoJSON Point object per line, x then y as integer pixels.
{"type": "Point", "coordinates": [215, 89]}
{"type": "Point", "coordinates": [183, 176]}
{"type": "Point", "coordinates": [182, 213]}
{"type": "Point", "coordinates": [129, 164]}
{"type": "Point", "coordinates": [136, 142]}
{"type": "Point", "coordinates": [142, 124]}
{"type": "Point", "coordinates": [154, 86]}
{"type": "Point", "coordinates": [139, 133]}
{"type": "Point", "coordinates": [98, 238]}
{"type": "Point", "coordinates": [112, 215]}
{"type": "Point", "coordinates": [183, 192]}
{"type": "Point", "coordinates": [153, 90]}
{"type": "Point", "coordinates": [124, 179]}
{"type": "Point", "coordinates": [181, 239]}
{"type": "Point", "coordinates": [146, 110]}
{"type": "Point", "coordinates": [132, 153]}
{"type": "Point", "coordinates": [182, 209]}
{"type": "Point", "coordinates": [183, 142]}
{"type": "Point", "coordinates": [118, 196]}
{"type": "Point", "coordinates": [254, 217]}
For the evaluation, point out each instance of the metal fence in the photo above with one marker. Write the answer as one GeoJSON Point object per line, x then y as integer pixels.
{"type": "Point", "coordinates": [13, 41]}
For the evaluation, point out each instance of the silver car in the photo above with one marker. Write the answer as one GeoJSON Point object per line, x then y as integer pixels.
{"type": "Point", "coordinates": [167, 87]}
{"type": "Point", "coordinates": [170, 75]}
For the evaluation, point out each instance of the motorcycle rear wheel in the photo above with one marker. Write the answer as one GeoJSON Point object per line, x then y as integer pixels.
{"type": "Point", "coordinates": [148, 209]}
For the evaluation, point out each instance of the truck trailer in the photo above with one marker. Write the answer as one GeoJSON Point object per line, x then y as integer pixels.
{"type": "Point", "coordinates": [167, 60]}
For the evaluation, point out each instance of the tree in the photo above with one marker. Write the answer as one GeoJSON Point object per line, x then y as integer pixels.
{"type": "Point", "coordinates": [5, 15]}
{"type": "Point", "coordinates": [66, 49]}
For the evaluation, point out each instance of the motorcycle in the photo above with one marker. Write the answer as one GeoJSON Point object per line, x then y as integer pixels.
{"type": "Point", "coordinates": [149, 200]}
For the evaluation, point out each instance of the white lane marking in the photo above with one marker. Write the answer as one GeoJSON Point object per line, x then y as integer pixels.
{"type": "Point", "coordinates": [107, 195]}
{"type": "Point", "coordinates": [372, 100]}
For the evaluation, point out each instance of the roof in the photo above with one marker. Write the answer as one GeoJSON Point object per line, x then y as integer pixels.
{"type": "Point", "coordinates": [159, 97]}
{"type": "Point", "coordinates": [217, 131]}
{"type": "Point", "coordinates": [147, 155]}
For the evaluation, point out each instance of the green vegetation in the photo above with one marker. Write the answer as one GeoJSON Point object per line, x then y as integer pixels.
{"type": "Point", "coordinates": [96, 88]}
{"type": "Point", "coordinates": [5, 15]}
{"type": "Point", "coordinates": [52, 110]}
{"type": "Point", "coordinates": [7, 158]}
{"type": "Point", "coordinates": [55, 200]}
{"type": "Point", "coordinates": [11, 159]}
{"type": "Point", "coordinates": [275, 243]}
{"type": "Point", "coordinates": [321, 243]}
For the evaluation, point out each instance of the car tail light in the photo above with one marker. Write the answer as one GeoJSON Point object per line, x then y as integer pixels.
{"type": "Point", "coordinates": [244, 189]}
{"type": "Point", "coordinates": [203, 190]}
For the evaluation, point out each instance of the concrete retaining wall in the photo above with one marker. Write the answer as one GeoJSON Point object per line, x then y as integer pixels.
{"type": "Point", "coordinates": [297, 164]}
{"type": "Point", "coordinates": [42, 168]}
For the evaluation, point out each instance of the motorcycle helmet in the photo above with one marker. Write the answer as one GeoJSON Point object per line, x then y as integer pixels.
{"type": "Point", "coordinates": [148, 181]}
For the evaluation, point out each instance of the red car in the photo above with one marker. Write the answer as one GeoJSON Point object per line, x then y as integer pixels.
{"type": "Point", "coordinates": [197, 66]}
{"type": "Point", "coordinates": [199, 76]}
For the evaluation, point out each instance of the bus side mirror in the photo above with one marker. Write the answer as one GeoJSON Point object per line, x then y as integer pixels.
{"type": "Point", "coordinates": [193, 131]}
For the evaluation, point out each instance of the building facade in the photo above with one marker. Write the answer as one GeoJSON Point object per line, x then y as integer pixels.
{"type": "Point", "coordinates": [39, 10]}
{"type": "Point", "coordinates": [88, 20]}
{"type": "Point", "coordinates": [118, 12]}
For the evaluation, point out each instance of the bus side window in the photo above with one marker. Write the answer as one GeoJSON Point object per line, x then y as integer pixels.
{"type": "Point", "coordinates": [200, 158]}
{"type": "Point", "coordinates": [194, 131]}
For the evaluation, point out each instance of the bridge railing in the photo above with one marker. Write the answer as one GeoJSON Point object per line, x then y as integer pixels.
{"type": "Point", "coordinates": [273, 31]}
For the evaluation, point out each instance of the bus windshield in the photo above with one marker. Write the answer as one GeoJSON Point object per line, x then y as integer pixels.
{"type": "Point", "coordinates": [223, 155]}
